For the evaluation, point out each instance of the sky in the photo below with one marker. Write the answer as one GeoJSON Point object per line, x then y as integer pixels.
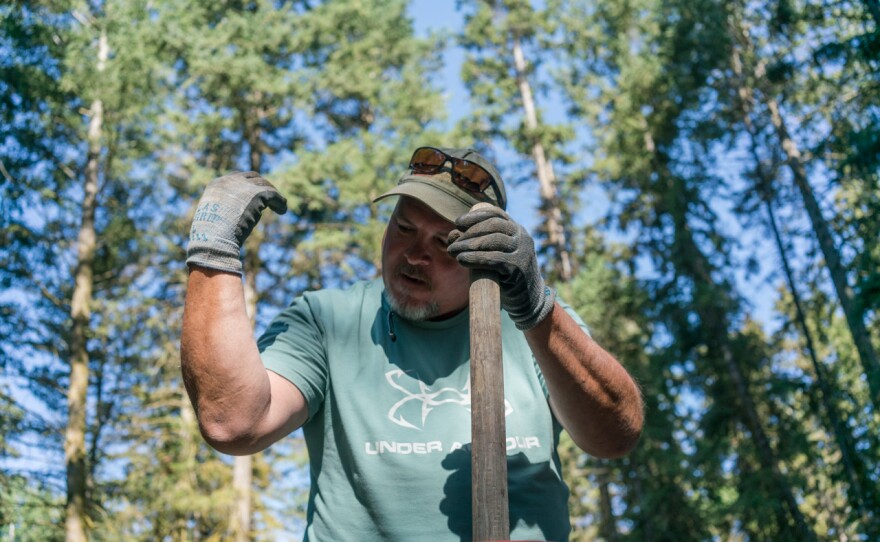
{"type": "Point", "coordinates": [434, 16]}
{"type": "Point", "coordinates": [442, 15]}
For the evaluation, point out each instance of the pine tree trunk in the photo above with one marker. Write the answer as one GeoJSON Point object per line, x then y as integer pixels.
{"type": "Point", "coordinates": [608, 524]}
{"type": "Point", "coordinates": [857, 493]}
{"type": "Point", "coordinates": [716, 327]}
{"type": "Point", "coordinates": [715, 322]}
{"type": "Point", "coordinates": [188, 455]}
{"type": "Point", "coordinates": [849, 456]}
{"type": "Point", "coordinates": [243, 467]}
{"type": "Point", "coordinates": [766, 455]}
{"type": "Point", "coordinates": [242, 477]}
{"type": "Point", "coordinates": [80, 312]}
{"type": "Point", "coordinates": [854, 316]}
{"type": "Point", "coordinates": [556, 234]}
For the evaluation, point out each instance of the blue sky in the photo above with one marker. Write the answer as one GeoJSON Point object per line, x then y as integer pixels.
{"type": "Point", "coordinates": [442, 15]}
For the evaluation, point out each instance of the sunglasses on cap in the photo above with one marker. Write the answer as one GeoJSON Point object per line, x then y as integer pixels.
{"type": "Point", "coordinates": [469, 176]}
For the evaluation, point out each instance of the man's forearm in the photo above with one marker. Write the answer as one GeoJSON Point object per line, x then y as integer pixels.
{"type": "Point", "coordinates": [593, 396]}
{"type": "Point", "coordinates": [222, 371]}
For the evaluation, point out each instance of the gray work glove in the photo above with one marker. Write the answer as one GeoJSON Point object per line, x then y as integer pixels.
{"type": "Point", "coordinates": [227, 213]}
{"type": "Point", "coordinates": [487, 238]}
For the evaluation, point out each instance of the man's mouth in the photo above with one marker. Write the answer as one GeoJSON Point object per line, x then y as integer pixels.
{"type": "Point", "coordinates": [413, 276]}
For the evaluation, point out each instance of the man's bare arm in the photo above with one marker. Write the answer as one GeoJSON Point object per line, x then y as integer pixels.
{"type": "Point", "coordinates": [242, 408]}
{"type": "Point", "coordinates": [591, 393]}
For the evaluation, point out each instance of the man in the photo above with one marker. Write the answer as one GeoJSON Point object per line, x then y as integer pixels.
{"type": "Point", "coordinates": [378, 374]}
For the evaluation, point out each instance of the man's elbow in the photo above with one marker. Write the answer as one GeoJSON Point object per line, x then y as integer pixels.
{"type": "Point", "coordinates": [630, 429]}
{"type": "Point", "coordinates": [615, 446]}
{"type": "Point", "coordinates": [625, 434]}
{"type": "Point", "coordinates": [621, 445]}
{"type": "Point", "coordinates": [617, 440]}
{"type": "Point", "coordinates": [229, 437]}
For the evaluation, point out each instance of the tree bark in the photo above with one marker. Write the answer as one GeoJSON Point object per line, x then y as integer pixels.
{"type": "Point", "coordinates": [766, 455]}
{"type": "Point", "coordinates": [80, 312]}
{"type": "Point", "coordinates": [556, 234]}
{"type": "Point", "coordinates": [243, 466]}
{"type": "Point", "coordinates": [242, 478]}
{"type": "Point", "coordinates": [715, 322]}
{"type": "Point", "coordinates": [795, 161]}
{"type": "Point", "coordinates": [191, 522]}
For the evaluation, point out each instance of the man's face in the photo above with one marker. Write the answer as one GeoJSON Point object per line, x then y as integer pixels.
{"type": "Point", "coordinates": [422, 280]}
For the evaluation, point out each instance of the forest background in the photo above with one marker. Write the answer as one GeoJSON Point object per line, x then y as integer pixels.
{"type": "Point", "coordinates": [701, 177]}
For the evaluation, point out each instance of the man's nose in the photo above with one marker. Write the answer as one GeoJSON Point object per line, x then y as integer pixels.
{"type": "Point", "coordinates": [417, 253]}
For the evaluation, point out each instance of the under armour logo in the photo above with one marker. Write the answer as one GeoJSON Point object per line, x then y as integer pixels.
{"type": "Point", "coordinates": [428, 399]}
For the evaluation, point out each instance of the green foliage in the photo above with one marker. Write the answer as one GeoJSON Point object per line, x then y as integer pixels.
{"type": "Point", "coordinates": [650, 78]}
{"type": "Point", "coordinates": [507, 45]}
{"type": "Point", "coordinates": [668, 114]}
{"type": "Point", "coordinates": [30, 512]}
{"type": "Point", "coordinates": [46, 137]}
{"type": "Point", "coordinates": [659, 491]}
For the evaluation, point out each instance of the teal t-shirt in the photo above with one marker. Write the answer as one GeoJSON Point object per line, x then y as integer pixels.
{"type": "Point", "coordinates": [389, 422]}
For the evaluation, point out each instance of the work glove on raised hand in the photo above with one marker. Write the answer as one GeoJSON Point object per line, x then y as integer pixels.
{"type": "Point", "coordinates": [487, 238]}
{"type": "Point", "coordinates": [229, 209]}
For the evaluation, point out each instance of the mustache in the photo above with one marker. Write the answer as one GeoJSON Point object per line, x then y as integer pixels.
{"type": "Point", "coordinates": [412, 272]}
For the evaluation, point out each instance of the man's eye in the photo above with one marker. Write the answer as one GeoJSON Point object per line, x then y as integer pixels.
{"type": "Point", "coordinates": [404, 228]}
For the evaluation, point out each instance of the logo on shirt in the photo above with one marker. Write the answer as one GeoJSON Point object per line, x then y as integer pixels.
{"type": "Point", "coordinates": [419, 395]}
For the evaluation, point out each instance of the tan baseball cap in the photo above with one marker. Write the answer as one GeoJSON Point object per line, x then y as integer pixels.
{"type": "Point", "coordinates": [438, 192]}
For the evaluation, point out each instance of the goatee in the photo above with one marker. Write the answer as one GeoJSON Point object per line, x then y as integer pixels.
{"type": "Point", "coordinates": [399, 298]}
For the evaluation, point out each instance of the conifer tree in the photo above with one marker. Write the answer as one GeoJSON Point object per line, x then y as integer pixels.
{"type": "Point", "coordinates": [506, 42]}
{"type": "Point", "coordinates": [71, 160]}
{"type": "Point", "coordinates": [860, 493]}
{"type": "Point", "coordinates": [657, 149]}
{"type": "Point", "coordinates": [776, 82]}
{"type": "Point", "coordinates": [313, 98]}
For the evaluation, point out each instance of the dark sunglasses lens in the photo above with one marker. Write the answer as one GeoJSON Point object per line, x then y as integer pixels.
{"type": "Point", "coordinates": [477, 177]}
{"type": "Point", "coordinates": [465, 174]}
{"type": "Point", "coordinates": [426, 159]}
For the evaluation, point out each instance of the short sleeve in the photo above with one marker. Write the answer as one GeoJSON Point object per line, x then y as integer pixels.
{"type": "Point", "coordinates": [293, 346]}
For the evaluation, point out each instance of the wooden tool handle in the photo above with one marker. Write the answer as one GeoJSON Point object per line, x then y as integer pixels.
{"type": "Point", "coordinates": [488, 434]}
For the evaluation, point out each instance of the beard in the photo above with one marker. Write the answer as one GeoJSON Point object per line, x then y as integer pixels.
{"type": "Point", "coordinates": [403, 304]}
